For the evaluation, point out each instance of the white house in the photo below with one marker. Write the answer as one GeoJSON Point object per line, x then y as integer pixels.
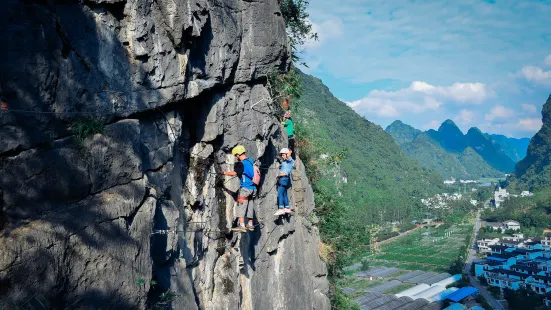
{"type": "Point", "coordinates": [484, 244]}
{"type": "Point", "coordinates": [495, 225]}
{"type": "Point", "coordinates": [526, 194]}
{"type": "Point", "coordinates": [500, 195]}
{"type": "Point", "coordinates": [503, 226]}
{"type": "Point", "coordinates": [450, 181]}
{"type": "Point", "coordinates": [512, 225]}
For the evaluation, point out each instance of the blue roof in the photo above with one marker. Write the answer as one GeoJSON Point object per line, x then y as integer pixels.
{"type": "Point", "coordinates": [495, 258]}
{"type": "Point", "coordinates": [462, 293]}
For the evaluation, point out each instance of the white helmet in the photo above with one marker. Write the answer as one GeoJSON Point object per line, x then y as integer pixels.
{"type": "Point", "coordinates": [284, 151]}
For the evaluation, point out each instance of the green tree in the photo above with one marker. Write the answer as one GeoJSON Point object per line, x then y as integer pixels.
{"type": "Point", "coordinates": [299, 29]}
{"type": "Point", "coordinates": [523, 299]}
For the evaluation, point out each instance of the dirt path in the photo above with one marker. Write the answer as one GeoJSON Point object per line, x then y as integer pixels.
{"type": "Point", "coordinates": [400, 235]}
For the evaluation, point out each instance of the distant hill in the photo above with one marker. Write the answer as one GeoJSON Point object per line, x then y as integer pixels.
{"type": "Point", "coordinates": [534, 171]}
{"type": "Point", "coordinates": [383, 184]}
{"type": "Point", "coordinates": [429, 153]}
{"type": "Point", "coordinates": [514, 148]}
{"type": "Point", "coordinates": [491, 152]}
{"type": "Point", "coordinates": [402, 133]}
{"type": "Point", "coordinates": [451, 138]}
{"type": "Point", "coordinates": [451, 153]}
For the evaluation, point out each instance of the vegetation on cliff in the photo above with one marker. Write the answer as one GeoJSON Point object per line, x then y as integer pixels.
{"type": "Point", "coordinates": [359, 174]}
{"type": "Point", "coordinates": [534, 171]}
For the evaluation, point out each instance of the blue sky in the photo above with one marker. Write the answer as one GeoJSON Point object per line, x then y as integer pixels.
{"type": "Point", "coordinates": [480, 63]}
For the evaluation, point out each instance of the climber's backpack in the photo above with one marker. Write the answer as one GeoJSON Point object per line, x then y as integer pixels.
{"type": "Point", "coordinates": [256, 176]}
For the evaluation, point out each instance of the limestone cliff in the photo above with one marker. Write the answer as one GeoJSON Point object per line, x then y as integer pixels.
{"type": "Point", "coordinates": [534, 171]}
{"type": "Point", "coordinates": [177, 83]}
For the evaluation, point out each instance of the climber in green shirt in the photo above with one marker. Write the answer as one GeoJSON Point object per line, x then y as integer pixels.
{"type": "Point", "coordinates": [288, 124]}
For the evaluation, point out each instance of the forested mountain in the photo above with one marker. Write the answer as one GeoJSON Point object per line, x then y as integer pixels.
{"type": "Point", "coordinates": [514, 148]}
{"type": "Point", "coordinates": [451, 138]}
{"type": "Point", "coordinates": [402, 133]}
{"type": "Point", "coordinates": [451, 153]}
{"type": "Point", "coordinates": [382, 183]}
{"type": "Point", "coordinates": [467, 164]}
{"type": "Point", "coordinates": [492, 153]}
{"type": "Point", "coordinates": [534, 171]}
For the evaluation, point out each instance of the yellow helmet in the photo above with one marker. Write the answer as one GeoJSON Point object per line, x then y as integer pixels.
{"type": "Point", "coordinates": [238, 150]}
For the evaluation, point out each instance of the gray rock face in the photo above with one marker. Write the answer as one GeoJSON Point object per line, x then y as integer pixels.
{"type": "Point", "coordinates": [137, 215]}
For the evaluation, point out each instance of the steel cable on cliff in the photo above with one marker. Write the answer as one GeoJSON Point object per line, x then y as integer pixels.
{"type": "Point", "coordinates": [4, 110]}
{"type": "Point", "coordinates": [259, 223]}
{"type": "Point", "coordinates": [167, 231]}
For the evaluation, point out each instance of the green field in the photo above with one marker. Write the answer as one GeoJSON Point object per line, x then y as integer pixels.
{"type": "Point", "coordinates": [434, 252]}
{"type": "Point", "coordinates": [490, 180]}
{"type": "Point", "coordinates": [426, 249]}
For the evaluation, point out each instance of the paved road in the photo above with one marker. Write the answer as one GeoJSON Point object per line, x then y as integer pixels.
{"type": "Point", "coordinates": [474, 281]}
{"type": "Point", "coordinates": [489, 298]}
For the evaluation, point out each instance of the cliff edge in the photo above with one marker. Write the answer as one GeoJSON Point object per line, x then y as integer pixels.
{"type": "Point", "coordinates": [120, 114]}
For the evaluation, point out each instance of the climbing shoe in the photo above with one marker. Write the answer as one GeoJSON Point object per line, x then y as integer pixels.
{"type": "Point", "coordinates": [279, 212]}
{"type": "Point", "coordinates": [250, 227]}
{"type": "Point", "coordinates": [239, 228]}
{"type": "Point", "coordinates": [288, 211]}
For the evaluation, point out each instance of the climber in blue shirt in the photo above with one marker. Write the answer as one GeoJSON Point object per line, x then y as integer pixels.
{"type": "Point", "coordinates": [244, 169]}
{"type": "Point", "coordinates": [284, 182]}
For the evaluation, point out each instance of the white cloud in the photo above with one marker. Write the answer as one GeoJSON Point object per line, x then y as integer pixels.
{"type": "Point", "coordinates": [516, 128]}
{"type": "Point", "coordinates": [388, 43]}
{"type": "Point", "coordinates": [468, 92]}
{"type": "Point", "coordinates": [422, 87]}
{"type": "Point", "coordinates": [432, 103]}
{"type": "Point", "coordinates": [529, 124]}
{"type": "Point", "coordinates": [530, 108]}
{"type": "Point", "coordinates": [536, 75]}
{"type": "Point", "coordinates": [499, 112]}
{"type": "Point", "coordinates": [327, 31]}
{"type": "Point", "coordinates": [376, 106]}
{"type": "Point", "coordinates": [419, 97]}
{"type": "Point", "coordinates": [462, 92]}
{"type": "Point", "coordinates": [405, 40]}
{"type": "Point", "coordinates": [465, 117]}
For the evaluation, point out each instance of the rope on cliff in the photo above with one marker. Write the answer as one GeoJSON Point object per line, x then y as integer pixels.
{"type": "Point", "coordinates": [270, 100]}
{"type": "Point", "coordinates": [173, 231]}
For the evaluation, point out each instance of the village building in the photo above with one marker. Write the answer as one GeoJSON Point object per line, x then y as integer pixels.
{"type": "Point", "coordinates": [450, 181]}
{"type": "Point", "coordinates": [500, 195]}
{"type": "Point", "coordinates": [516, 262]}
{"type": "Point", "coordinates": [526, 194]}
{"type": "Point", "coordinates": [503, 226]}
{"type": "Point", "coordinates": [484, 244]}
